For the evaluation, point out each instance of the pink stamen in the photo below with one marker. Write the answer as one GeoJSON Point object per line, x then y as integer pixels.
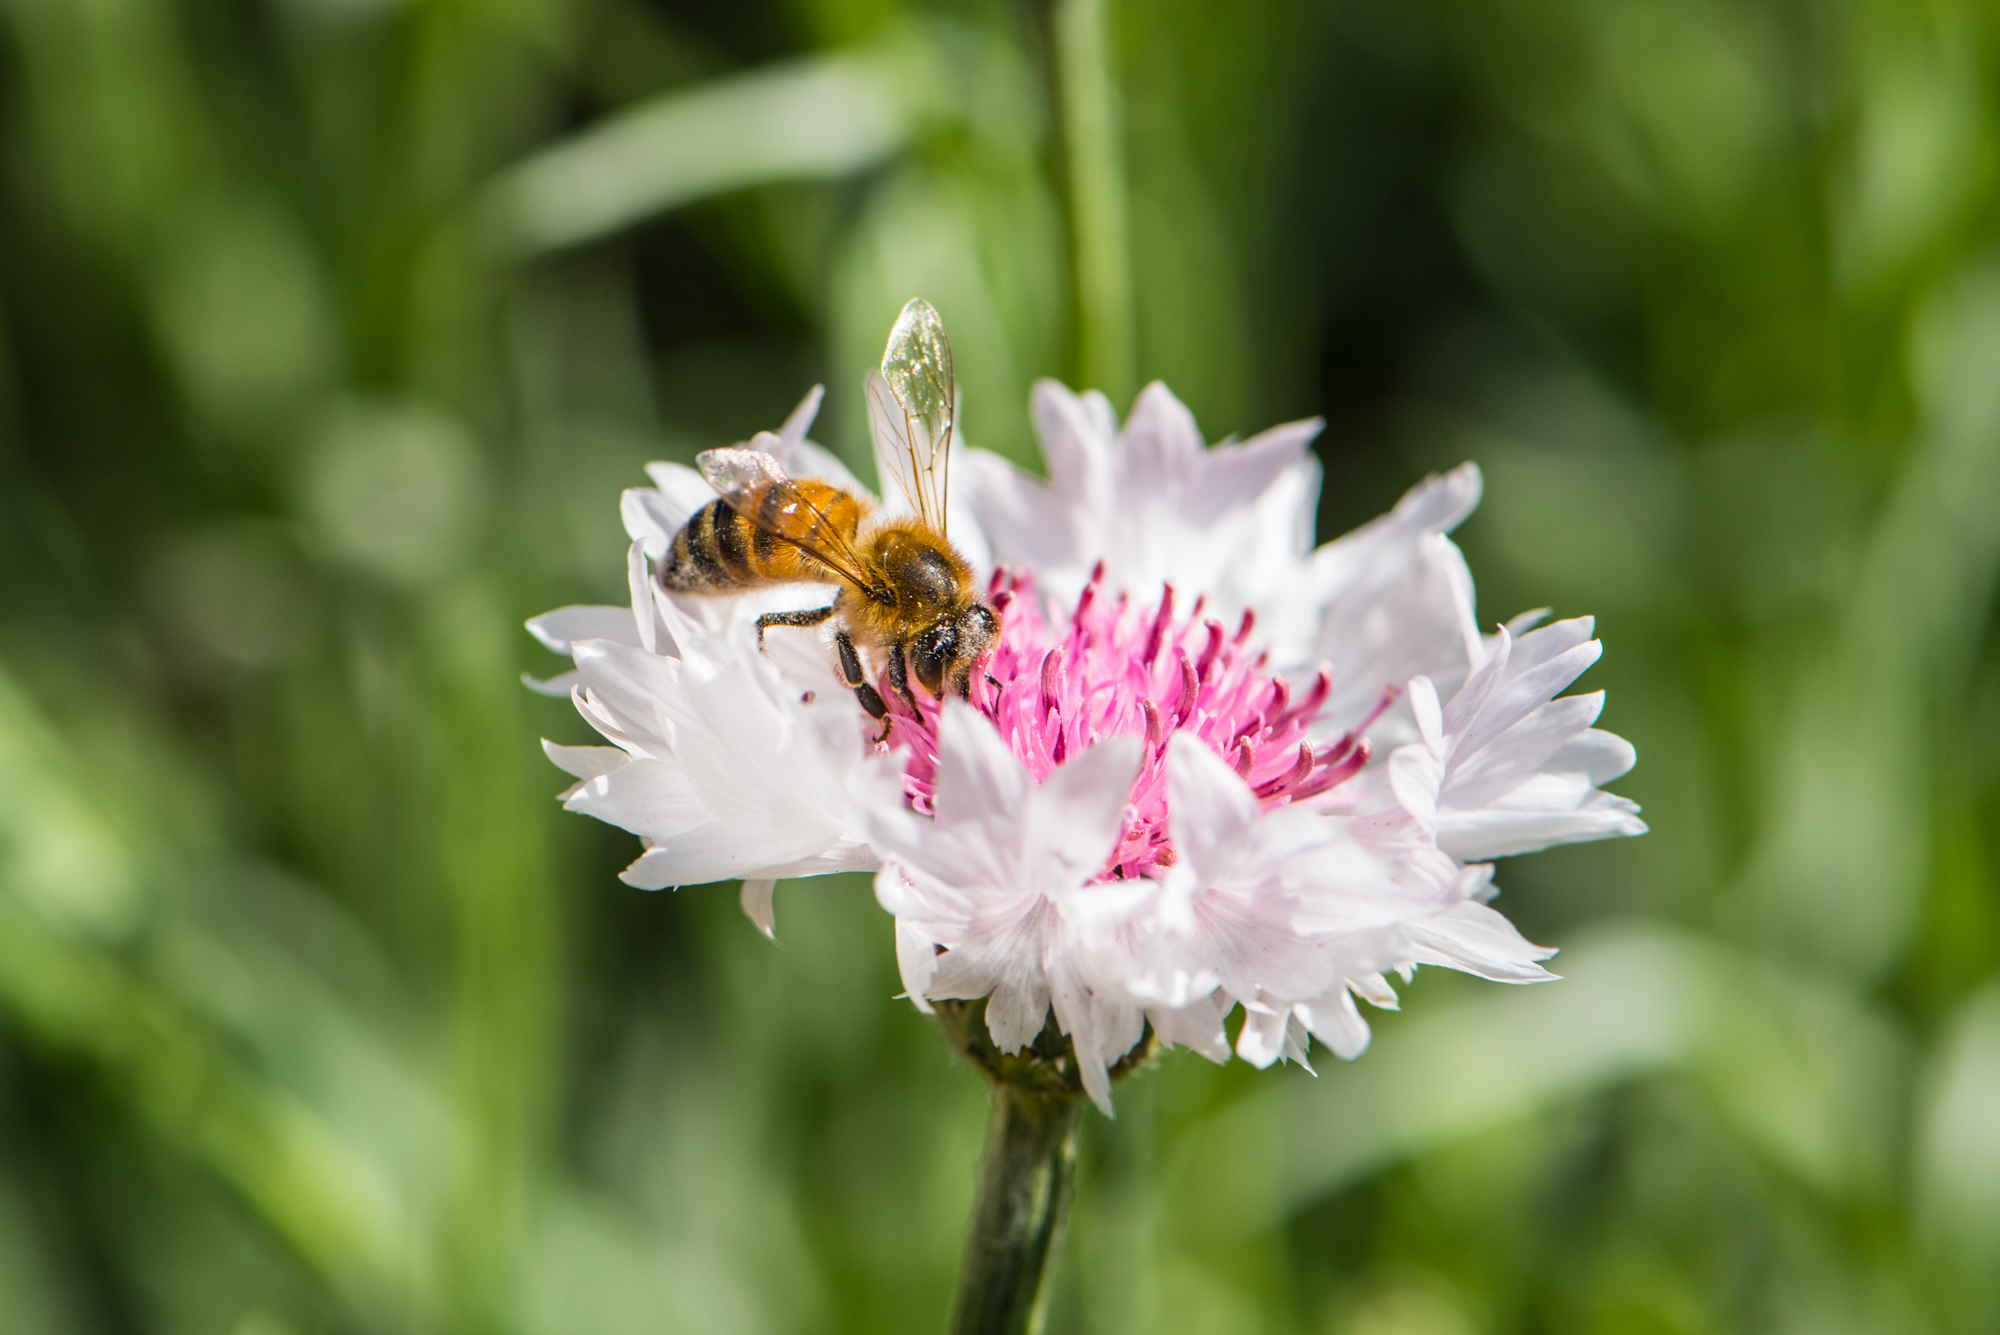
{"type": "Point", "coordinates": [1315, 697]}
{"type": "Point", "coordinates": [1160, 622]}
{"type": "Point", "coordinates": [1190, 686]}
{"type": "Point", "coordinates": [1210, 650]}
{"type": "Point", "coordinates": [1281, 700]}
{"type": "Point", "coordinates": [1333, 775]}
{"type": "Point", "coordinates": [1056, 684]}
{"type": "Point", "coordinates": [1290, 778]}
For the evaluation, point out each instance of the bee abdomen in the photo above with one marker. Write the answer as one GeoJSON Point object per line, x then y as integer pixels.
{"type": "Point", "coordinates": [712, 553]}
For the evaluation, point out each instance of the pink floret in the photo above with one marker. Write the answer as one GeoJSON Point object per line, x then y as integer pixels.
{"type": "Point", "coordinates": [1054, 687]}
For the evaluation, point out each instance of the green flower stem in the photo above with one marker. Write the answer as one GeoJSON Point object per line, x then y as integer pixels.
{"type": "Point", "coordinates": [1027, 1171]}
{"type": "Point", "coordinates": [1025, 1179]}
{"type": "Point", "coordinates": [1088, 97]}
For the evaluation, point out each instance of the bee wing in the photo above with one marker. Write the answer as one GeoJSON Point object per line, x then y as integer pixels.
{"type": "Point", "coordinates": [753, 484]}
{"type": "Point", "coordinates": [911, 406]}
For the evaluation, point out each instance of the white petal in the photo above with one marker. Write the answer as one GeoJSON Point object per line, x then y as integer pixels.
{"type": "Point", "coordinates": [1160, 431]}
{"type": "Point", "coordinates": [1233, 475]}
{"type": "Point", "coordinates": [916, 957]}
{"type": "Point", "coordinates": [1551, 809]}
{"type": "Point", "coordinates": [1539, 646]}
{"type": "Point", "coordinates": [682, 492]}
{"type": "Point", "coordinates": [560, 628]}
{"type": "Point", "coordinates": [978, 777]}
{"type": "Point", "coordinates": [1520, 693]}
{"type": "Point", "coordinates": [1015, 1013]}
{"type": "Point", "coordinates": [1374, 989]}
{"type": "Point", "coordinates": [1441, 502]}
{"type": "Point", "coordinates": [585, 762]}
{"type": "Point", "coordinates": [794, 430]}
{"type": "Point", "coordinates": [555, 687]}
{"type": "Point", "coordinates": [809, 460]}
{"type": "Point", "coordinates": [731, 850]}
{"type": "Point", "coordinates": [1429, 715]}
{"type": "Point", "coordinates": [1336, 1021]}
{"type": "Point", "coordinates": [647, 797]}
{"type": "Point", "coordinates": [756, 901]}
{"type": "Point", "coordinates": [842, 855]}
{"type": "Point", "coordinates": [640, 690]}
{"type": "Point", "coordinates": [640, 580]}
{"type": "Point", "coordinates": [1521, 751]}
{"type": "Point", "coordinates": [1261, 1041]}
{"type": "Point", "coordinates": [1210, 809]}
{"type": "Point", "coordinates": [1597, 755]}
{"type": "Point", "coordinates": [1392, 600]}
{"type": "Point", "coordinates": [1101, 1028]}
{"type": "Point", "coordinates": [1075, 438]}
{"type": "Point", "coordinates": [1466, 703]}
{"type": "Point", "coordinates": [962, 974]}
{"type": "Point", "coordinates": [897, 896]}
{"type": "Point", "coordinates": [1021, 516]}
{"type": "Point", "coordinates": [1478, 940]}
{"type": "Point", "coordinates": [1415, 775]}
{"type": "Point", "coordinates": [650, 520]}
{"type": "Point", "coordinates": [1078, 813]}
{"type": "Point", "coordinates": [1298, 1042]}
{"type": "Point", "coordinates": [1197, 1026]}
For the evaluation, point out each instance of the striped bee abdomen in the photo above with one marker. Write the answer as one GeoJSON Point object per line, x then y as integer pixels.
{"type": "Point", "coordinates": [719, 551]}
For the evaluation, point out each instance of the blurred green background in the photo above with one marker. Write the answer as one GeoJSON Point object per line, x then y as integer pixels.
{"type": "Point", "coordinates": [330, 329]}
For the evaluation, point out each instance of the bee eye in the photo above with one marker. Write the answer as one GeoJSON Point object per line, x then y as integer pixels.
{"type": "Point", "coordinates": [977, 629]}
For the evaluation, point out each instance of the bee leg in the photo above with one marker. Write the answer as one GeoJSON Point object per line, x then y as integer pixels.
{"type": "Point", "coordinates": [856, 680]}
{"type": "Point", "coordinates": [809, 618]}
{"type": "Point", "coordinates": [899, 677]}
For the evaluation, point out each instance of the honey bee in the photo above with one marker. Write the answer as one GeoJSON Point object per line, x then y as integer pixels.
{"type": "Point", "coordinates": [905, 592]}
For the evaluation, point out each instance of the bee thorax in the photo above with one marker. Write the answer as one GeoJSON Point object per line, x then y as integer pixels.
{"type": "Point", "coordinates": [921, 573]}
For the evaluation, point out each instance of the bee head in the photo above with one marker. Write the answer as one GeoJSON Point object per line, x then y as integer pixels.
{"type": "Point", "coordinates": [944, 655]}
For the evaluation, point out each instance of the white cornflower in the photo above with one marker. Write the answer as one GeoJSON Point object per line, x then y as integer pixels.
{"type": "Point", "coordinates": [1162, 801]}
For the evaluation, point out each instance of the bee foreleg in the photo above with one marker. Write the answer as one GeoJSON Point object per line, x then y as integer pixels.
{"type": "Point", "coordinates": [899, 677]}
{"type": "Point", "coordinates": [812, 617]}
{"type": "Point", "coordinates": [856, 679]}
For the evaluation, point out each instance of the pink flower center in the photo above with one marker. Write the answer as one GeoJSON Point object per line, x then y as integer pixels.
{"type": "Point", "coordinates": [1054, 687]}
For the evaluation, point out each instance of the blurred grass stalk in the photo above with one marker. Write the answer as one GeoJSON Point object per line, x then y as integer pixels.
{"type": "Point", "coordinates": [821, 118]}
{"type": "Point", "coordinates": [1088, 103]}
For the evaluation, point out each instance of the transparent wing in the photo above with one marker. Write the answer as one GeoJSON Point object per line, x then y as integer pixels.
{"type": "Point", "coordinates": [911, 406]}
{"type": "Point", "coordinates": [753, 484]}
